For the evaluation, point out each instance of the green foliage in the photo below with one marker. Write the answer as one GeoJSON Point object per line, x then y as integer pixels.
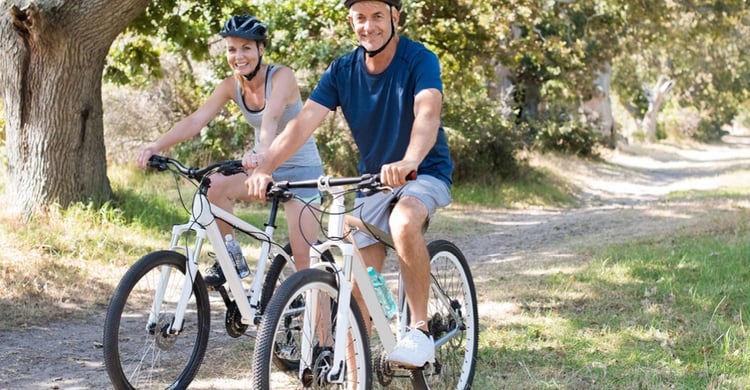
{"type": "Point", "coordinates": [571, 135]}
{"type": "Point", "coordinates": [552, 50]}
{"type": "Point", "coordinates": [306, 35]}
{"type": "Point", "coordinates": [226, 137]}
{"type": "Point", "coordinates": [709, 130]}
{"type": "Point", "coordinates": [336, 147]}
{"type": "Point", "coordinates": [530, 187]}
{"type": "Point", "coordinates": [481, 140]}
{"type": "Point", "coordinates": [174, 26]}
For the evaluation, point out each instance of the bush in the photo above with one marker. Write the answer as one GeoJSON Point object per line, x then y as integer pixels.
{"type": "Point", "coordinates": [576, 136]}
{"type": "Point", "coordinates": [483, 143]}
{"type": "Point", "coordinates": [337, 148]}
{"type": "Point", "coordinates": [709, 130]}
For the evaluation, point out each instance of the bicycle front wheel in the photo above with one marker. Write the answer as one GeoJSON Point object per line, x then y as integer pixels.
{"type": "Point", "coordinates": [279, 271]}
{"type": "Point", "coordinates": [139, 353]}
{"type": "Point", "coordinates": [453, 321]}
{"type": "Point", "coordinates": [280, 334]}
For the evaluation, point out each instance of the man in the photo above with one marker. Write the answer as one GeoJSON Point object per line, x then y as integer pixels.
{"type": "Point", "coordinates": [390, 92]}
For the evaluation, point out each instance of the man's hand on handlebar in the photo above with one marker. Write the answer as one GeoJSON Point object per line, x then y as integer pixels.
{"type": "Point", "coordinates": [398, 173]}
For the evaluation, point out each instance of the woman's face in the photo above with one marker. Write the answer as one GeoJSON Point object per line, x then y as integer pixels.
{"type": "Point", "coordinates": [243, 54]}
{"type": "Point", "coordinates": [371, 21]}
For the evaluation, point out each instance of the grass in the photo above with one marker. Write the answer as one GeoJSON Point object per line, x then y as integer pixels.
{"type": "Point", "coordinates": [667, 312]}
{"type": "Point", "coordinates": [535, 188]}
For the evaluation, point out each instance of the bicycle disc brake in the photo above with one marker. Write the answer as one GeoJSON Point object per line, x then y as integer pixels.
{"type": "Point", "coordinates": [162, 338]}
{"type": "Point", "coordinates": [233, 321]}
{"type": "Point", "coordinates": [317, 375]}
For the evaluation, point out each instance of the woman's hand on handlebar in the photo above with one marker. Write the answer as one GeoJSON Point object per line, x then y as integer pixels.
{"type": "Point", "coordinates": [143, 155]}
{"type": "Point", "coordinates": [257, 184]}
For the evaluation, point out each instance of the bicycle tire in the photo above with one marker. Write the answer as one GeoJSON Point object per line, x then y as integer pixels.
{"type": "Point", "coordinates": [456, 358]}
{"type": "Point", "coordinates": [277, 273]}
{"type": "Point", "coordinates": [137, 354]}
{"type": "Point", "coordinates": [286, 311]}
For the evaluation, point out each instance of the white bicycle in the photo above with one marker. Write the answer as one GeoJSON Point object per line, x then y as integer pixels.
{"type": "Point", "coordinates": [157, 324]}
{"type": "Point", "coordinates": [297, 320]}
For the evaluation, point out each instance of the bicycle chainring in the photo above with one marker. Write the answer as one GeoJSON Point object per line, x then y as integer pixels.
{"type": "Point", "coordinates": [233, 321]}
{"type": "Point", "coordinates": [382, 368]}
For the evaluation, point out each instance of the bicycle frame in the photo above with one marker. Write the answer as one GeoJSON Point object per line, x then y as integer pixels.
{"type": "Point", "coordinates": [352, 269]}
{"type": "Point", "coordinates": [203, 222]}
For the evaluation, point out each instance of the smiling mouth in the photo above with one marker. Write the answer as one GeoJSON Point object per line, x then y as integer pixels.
{"type": "Point", "coordinates": [241, 65]}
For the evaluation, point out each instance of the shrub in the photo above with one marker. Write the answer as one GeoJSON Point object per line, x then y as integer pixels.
{"type": "Point", "coordinates": [572, 135]}
{"type": "Point", "coordinates": [483, 142]}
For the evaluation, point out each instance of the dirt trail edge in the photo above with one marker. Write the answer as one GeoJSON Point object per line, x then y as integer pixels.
{"type": "Point", "coordinates": [622, 198]}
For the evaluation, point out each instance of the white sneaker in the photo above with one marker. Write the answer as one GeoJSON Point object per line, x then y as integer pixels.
{"type": "Point", "coordinates": [415, 349]}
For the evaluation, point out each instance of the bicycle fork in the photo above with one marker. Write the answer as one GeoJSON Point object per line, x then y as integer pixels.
{"type": "Point", "coordinates": [191, 272]}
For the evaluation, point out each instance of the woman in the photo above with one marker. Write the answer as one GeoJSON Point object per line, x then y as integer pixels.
{"type": "Point", "coordinates": [268, 97]}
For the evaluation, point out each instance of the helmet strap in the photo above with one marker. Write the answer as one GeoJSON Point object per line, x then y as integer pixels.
{"type": "Point", "coordinates": [375, 52]}
{"type": "Point", "coordinates": [252, 74]}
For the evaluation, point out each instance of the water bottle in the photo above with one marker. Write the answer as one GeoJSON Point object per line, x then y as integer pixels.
{"type": "Point", "coordinates": [235, 252]}
{"type": "Point", "coordinates": [384, 295]}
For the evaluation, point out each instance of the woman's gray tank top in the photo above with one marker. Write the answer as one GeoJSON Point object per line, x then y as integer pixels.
{"type": "Point", "coordinates": [308, 154]}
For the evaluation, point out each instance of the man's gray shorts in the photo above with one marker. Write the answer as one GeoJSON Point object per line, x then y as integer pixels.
{"type": "Point", "coordinates": [376, 209]}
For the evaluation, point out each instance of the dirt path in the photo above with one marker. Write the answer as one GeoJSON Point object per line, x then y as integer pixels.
{"type": "Point", "coordinates": [621, 199]}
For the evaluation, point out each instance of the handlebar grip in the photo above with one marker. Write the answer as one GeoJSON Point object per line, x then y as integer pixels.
{"type": "Point", "coordinates": [411, 176]}
{"type": "Point", "coordinates": [157, 162]}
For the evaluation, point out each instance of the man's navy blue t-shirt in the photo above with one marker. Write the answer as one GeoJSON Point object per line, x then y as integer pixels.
{"type": "Point", "coordinates": [379, 108]}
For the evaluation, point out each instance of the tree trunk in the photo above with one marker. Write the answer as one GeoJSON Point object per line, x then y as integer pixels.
{"type": "Point", "coordinates": [50, 75]}
{"type": "Point", "coordinates": [598, 105]}
{"type": "Point", "coordinates": [656, 97]}
{"type": "Point", "coordinates": [531, 96]}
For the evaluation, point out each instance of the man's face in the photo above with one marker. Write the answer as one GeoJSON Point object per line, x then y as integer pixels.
{"type": "Point", "coordinates": [371, 21]}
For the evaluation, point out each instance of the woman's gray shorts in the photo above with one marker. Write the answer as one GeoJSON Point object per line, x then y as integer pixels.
{"type": "Point", "coordinates": [376, 209]}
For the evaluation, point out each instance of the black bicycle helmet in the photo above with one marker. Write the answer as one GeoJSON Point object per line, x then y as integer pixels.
{"type": "Point", "coordinates": [394, 3]}
{"type": "Point", "coordinates": [245, 26]}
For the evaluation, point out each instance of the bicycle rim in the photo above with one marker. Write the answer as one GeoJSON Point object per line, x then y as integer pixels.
{"type": "Point", "coordinates": [280, 334]}
{"type": "Point", "coordinates": [141, 355]}
{"type": "Point", "coordinates": [452, 308]}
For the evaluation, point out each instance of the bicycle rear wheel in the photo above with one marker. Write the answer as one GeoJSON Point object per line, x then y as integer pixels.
{"type": "Point", "coordinates": [279, 270]}
{"type": "Point", "coordinates": [453, 321]}
{"type": "Point", "coordinates": [140, 354]}
{"type": "Point", "coordinates": [280, 334]}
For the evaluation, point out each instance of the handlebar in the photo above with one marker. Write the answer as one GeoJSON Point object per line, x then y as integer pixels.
{"type": "Point", "coordinates": [368, 184]}
{"type": "Point", "coordinates": [226, 168]}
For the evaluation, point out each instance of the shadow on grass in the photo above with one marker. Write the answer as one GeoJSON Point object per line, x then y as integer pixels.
{"type": "Point", "coordinates": [656, 313]}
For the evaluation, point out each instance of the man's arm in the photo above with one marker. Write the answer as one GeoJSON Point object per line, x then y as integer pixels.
{"type": "Point", "coordinates": [295, 134]}
{"type": "Point", "coordinates": [427, 108]}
